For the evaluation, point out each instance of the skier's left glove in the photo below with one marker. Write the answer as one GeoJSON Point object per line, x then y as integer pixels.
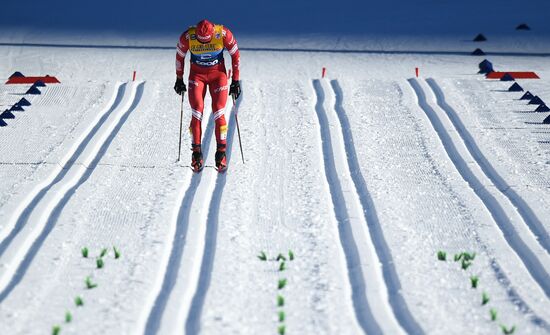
{"type": "Point", "coordinates": [179, 86]}
{"type": "Point", "coordinates": [235, 89]}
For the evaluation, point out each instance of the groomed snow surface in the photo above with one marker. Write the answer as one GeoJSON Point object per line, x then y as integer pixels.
{"type": "Point", "coordinates": [364, 175]}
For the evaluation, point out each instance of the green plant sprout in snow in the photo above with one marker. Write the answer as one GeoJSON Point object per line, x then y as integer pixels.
{"type": "Point", "coordinates": [85, 252]}
{"type": "Point", "coordinates": [465, 264]}
{"type": "Point", "coordinates": [458, 256]}
{"type": "Point", "coordinates": [441, 255]}
{"type": "Point", "coordinates": [99, 262]}
{"type": "Point", "coordinates": [103, 252]}
{"type": "Point", "coordinates": [506, 330]}
{"type": "Point", "coordinates": [468, 256]}
{"type": "Point", "coordinates": [484, 298]}
{"type": "Point", "coordinates": [281, 316]}
{"type": "Point", "coordinates": [281, 330]}
{"type": "Point", "coordinates": [493, 314]}
{"type": "Point", "coordinates": [282, 266]}
{"type": "Point", "coordinates": [78, 301]}
{"type": "Point", "coordinates": [280, 257]}
{"type": "Point", "coordinates": [56, 330]}
{"type": "Point", "coordinates": [117, 253]}
{"type": "Point", "coordinates": [290, 255]}
{"type": "Point", "coordinates": [474, 280]}
{"type": "Point", "coordinates": [68, 317]}
{"type": "Point", "coordinates": [281, 284]}
{"type": "Point", "coordinates": [280, 301]}
{"type": "Point", "coordinates": [262, 256]}
{"type": "Point", "coordinates": [89, 284]}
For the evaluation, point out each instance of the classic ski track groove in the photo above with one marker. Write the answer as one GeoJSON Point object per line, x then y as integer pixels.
{"type": "Point", "coordinates": [21, 213]}
{"type": "Point", "coordinates": [387, 276]}
{"type": "Point", "coordinates": [197, 274]}
{"type": "Point", "coordinates": [49, 202]}
{"type": "Point", "coordinates": [495, 207]}
{"type": "Point", "coordinates": [192, 324]}
{"type": "Point", "coordinates": [182, 242]}
{"type": "Point", "coordinates": [527, 214]}
{"type": "Point", "coordinates": [363, 310]}
{"type": "Point", "coordinates": [513, 295]}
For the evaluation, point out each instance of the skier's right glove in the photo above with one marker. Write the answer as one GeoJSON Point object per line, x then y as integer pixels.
{"type": "Point", "coordinates": [235, 89]}
{"type": "Point", "coordinates": [179, 86]}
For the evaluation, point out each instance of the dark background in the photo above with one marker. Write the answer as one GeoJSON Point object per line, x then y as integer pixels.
{"type": "Point", "coordinates": [278, 16]}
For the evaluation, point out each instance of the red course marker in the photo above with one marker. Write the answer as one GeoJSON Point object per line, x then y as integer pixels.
{"type": "Point", "coordinates": [416, 71]}
{"type": "Point", "coordinates": [324, 72]}
{"type": "Point", "coordinates": [134, 79]}
{"type": "Point", "coordinates": [515, 75]}
{"type": "Point", "coordinates": [32, 80]}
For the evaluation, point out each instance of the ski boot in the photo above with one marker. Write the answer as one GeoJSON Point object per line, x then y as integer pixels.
{"type": "Point", "coordinates": [196, 161]}
{"type": "Point", "coordinates": [221, 162]}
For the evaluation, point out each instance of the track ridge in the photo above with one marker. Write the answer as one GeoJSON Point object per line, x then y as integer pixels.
{"type": "Point", "coordinates": [192, 324]}
{"type": "Point", "coordinates": [495, 208]}
{"type": "Point", "coordinates": [390, 278]}
{"type": "Point", "coordinates": [179, 242]}
{"type": "Point", "coordinates": [527, 214]}
{"type": "Point", "coordinates": [362, 309]}
{"type": "Point", "coordinates": [51, 200]}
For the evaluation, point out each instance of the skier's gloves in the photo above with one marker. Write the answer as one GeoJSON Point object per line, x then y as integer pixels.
{"type": "Point", "coordinates": [179, 86]}
{"type": "Point", "coordinates": [235, 89]}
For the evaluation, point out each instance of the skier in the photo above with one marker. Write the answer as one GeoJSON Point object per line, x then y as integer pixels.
{"type": "Point", "coordinates": [206, 42]}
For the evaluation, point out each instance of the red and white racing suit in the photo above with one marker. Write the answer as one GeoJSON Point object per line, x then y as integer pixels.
{"type": "Point", "coordinates": [208, 69]}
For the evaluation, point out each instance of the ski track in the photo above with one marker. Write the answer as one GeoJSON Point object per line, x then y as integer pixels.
{"type": "Point", "coordinates": [529, 259]}
{"type": "Point", "coordinates": [529, 217]}
{"type": "Point", "coordinates": [23, 211]}
{"type": "Point", "coordinates": [509, 293]}
{"type": "Point", "coordinates": [66, 186]}
{"type": "Point", "coordinates": [192, 325]}
{"type": "Point", "coordinates": [271, 207]}
{"type": "Point", "coordinates": [181, 223]}
{"type": "Point", "coordinates": [77, 120]}
{"type": "Point", "coordinates": [392, 283]}
{"type": "Point", "coordinates": [361, 306]}
{"type": "Point", "coordinates": [513, 295]}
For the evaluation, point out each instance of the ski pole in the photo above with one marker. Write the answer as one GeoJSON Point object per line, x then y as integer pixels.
{"type": "Point", "coordinates": [181, 124]}
{"type": "Point", "coordinates": [238, 129]}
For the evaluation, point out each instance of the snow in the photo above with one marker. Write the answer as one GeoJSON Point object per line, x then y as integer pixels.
{"type": "Point", "coordinates": [365, 174]}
